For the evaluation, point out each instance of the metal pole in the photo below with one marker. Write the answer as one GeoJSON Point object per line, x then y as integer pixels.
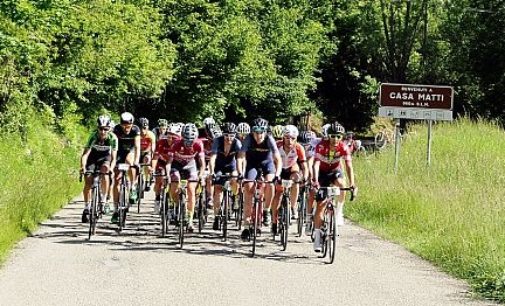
{"type": "Point", "coordinates": [430, 123]}
{"type": "Point", "coordinates": [397, 144]}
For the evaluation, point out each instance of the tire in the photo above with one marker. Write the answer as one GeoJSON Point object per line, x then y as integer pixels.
{"type": "Point", "coordinates": [163, 212]}
{"type": "Point", "coordinates": [255, 226]}
{"type": "Point", "coordinates": [140, 187]}
{"type": "Point", "coordinates": [285, 219]}
{"type": "Point", "coordinates": [240, 209]}
{"type": "Point", "coordinates": [332, 237]}
{"type": "Point", "coordinates": [201, 213]}
{"type": "Point", "coordinates": [92, 213]}
{"type": "Point", "coordinates": [122, 206]}
{"type": "Point", "coordinates": [182, 214]}
{"type": "Point", "coordinates": [301, 214]}
{"type": "Point", "coordinates": [224, 218]}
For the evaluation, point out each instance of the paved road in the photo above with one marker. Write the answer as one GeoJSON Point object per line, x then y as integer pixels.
{"type": "Point", "coordinates": [58, 266]}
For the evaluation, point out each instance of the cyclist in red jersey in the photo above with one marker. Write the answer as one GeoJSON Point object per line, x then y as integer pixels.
{"type": "Point", "coordinates": [328, 171]}
{"type": "Point", "coordinates": [187, 152]}
{"type": "Point", "coordinates": [147, 147]}
{"type": "Point", "coordinates": [212, 131]}
{"type": "Point", "coordinates": [161, 156]}
{"type": "Point", "coordinates": [293, 158]}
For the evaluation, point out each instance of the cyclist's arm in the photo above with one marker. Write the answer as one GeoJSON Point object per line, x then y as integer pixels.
{"type": "Point", "coordinates": [305, 170]}
{"type": "Point", "coordinates": [315, 177]}
{"type": "Point", "coordinates": [278, 163]}
{"type": "Point", "coordinates": [137, 150]}
{"type": "Point", "coordinates": [113, 159]}
{"type": "Point", "coordinates": [212, 163]}
{"type": "Point", "coordinates": [241, 162]}
{"type": "Point", "coordinates": [350, 172]}
{"type": "Point", "coordinates": [84, 157]}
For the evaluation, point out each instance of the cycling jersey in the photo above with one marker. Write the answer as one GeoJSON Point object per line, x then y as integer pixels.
{"type": "Point", "coordinates": [294, 155]}
{"type": "Point", "coordinates": [102, 147]}
{"type": "Point", "coordinates": [226, 162]}
{"type": "Point", "coordinates": [259, 156]}
{"type": "Point", "coordinates": [310, 148]}
{"type": "Point", "coordinates": [207, 147]}
{"type": "Point", "coordinates": [330, 159]}
{"type": "Point", "coordinates": [126, 142]}
{"type": "Point", "coordinates": [164, 149]}
{"type": "Point", "coordinates": [184, 155]}
{"type": "Point", "coordinates": [157, 133]}
{"type": "Point", "coordinates": [146, 141]}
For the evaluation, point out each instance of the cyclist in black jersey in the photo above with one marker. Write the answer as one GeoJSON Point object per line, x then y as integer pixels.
{"type": "Point", "coordinates": [261, 155]}
{"type": "Point", "coordinates": [223, 160]}
{"type": "Point", "coordinates": [161, 131]}
{"type": "Point", "coordinates": [100, 153]}
{"type": "Point", "coordinates": [129, 152]}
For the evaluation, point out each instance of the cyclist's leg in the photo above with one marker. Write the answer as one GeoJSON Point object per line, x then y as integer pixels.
{"type": "Point", "coordinates": [132, 175]}
{"type": "Point", "coordinates": [339, 182]}
{"type": "Point", "coordinates": [295, 176]}
{"type": "Point", "coordinates": [276, 202]}
{"type": "Point", "coordinates": [191, 175]}
{"type": "Point", "coordinates": [250, 174]}
{"type": "Point", "coordinates": [269, 174]}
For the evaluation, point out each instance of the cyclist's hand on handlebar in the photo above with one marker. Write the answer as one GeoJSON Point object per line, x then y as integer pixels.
{"type": "Point", "coordinates": [315, 184]}
{"type": "Point", "coordinates": [277, 179]}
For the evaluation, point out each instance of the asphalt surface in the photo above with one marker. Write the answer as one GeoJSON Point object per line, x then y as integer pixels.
{"type": "Point", "coordinates": [57, 265]}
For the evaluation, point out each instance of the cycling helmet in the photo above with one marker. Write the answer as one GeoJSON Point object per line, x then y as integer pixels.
{"type": "Point", "coordinates": [324, 130]}
{"type": "Point", "coordinates": [259, 125]}
{"type": "Point", "coordinates": [208, 121]}
{"type": "Point", "coordinates": [336, 128]}
{"type": "Point", "coordinates": [189, 132]}
{"type": "Point", "coordinates": [228, 128]}
{"type": "Point", "coordinates": [306, 137]}
{"type": "Point", "coordinates": [349, 135]}
{"type": "Point", "coordinates": [212, 130]}
{"type": "Point", "coordinates": [103, 120]}
{"type": "Point", "coordinates": [290, 130]}
{"type": "Point", "coordinates": [277, 131]}
{"type": "Point", "coordinates": [174, 128]}
{"type": "Point", "coordinates": [127, 118]}
{"type": "Point", "coordinates": [112, 124]}
{"type": "Point", "coordinates": [243, 128]}
{"type": "Point", "coordinates": [144, 122]}
{"type": "Point", "coordinates": [162, 122]}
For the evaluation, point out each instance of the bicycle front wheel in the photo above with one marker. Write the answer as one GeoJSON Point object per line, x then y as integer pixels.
{"type": "Point", "coordinates": [285, 219]}
{"type": "Point", "coordinates": [182, 214]}
{"type": "Point", "coordinates": [332, 237]}
{"type": "Point", "coordinates": [224, 219]}
{"type": "Point", "coordinates": [93, 213]}
{"type": "Point", "coordinates": [256, 221]}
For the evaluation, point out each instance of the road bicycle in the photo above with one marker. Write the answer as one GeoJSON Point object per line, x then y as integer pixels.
{"type": "Point", "coordinates": [329, 228]}
{"type": "Point", "coordinates": [285, 213]}
{"type": "Point", "coordinates": [180, 209]}
{"type": "Point", "coordinates": [96, 209]}
{"type": "Point", "coordinates": [140, 185]}
{"type": "Point", "coordinates": [165, 214]}
{"type": "Point", "coordinates": [225, 212]}
{"type": "Point", "coordinates": [123, 195]}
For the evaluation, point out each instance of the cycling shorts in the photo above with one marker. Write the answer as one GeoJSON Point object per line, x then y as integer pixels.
{"type": "Point", "coordinates": [267, 167]}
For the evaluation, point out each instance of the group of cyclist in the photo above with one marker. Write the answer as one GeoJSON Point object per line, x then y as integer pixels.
{"type": "Point", "coordinates": [242, 152]}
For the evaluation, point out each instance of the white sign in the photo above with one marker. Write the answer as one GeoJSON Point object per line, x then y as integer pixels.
{"type": "Point", "coordinates": [415, 113]}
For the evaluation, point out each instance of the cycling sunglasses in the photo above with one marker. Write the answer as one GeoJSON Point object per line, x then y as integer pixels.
{"type": "Point", "coordinates": [259, 129]}
{"type": "Point", "coordinates": [104, 129]}
{"type": "Point", "coordinates": [229, 135]}
{"type": "Point", "coordinates": [338, 136]}
{"type": "Point", "coordinates": [289, 137]}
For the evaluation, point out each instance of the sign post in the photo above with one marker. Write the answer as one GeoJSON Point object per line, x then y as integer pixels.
{"type": "Point", "coordinates": [416, 102]}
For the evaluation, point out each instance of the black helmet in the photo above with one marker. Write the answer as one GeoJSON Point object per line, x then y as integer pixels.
{"type": "Point", "coordinates": [144, 122]}
{"type": "Point", "coordinates": [259, 125]}
{"type": "Point", "coordinates": [127, 118]}
{"type": "Point", "coordinates": [228, 128]}
{"type": "Point", "coordinates": [336, 128]}
{"type": "Point", "coordinates": [103, 121]}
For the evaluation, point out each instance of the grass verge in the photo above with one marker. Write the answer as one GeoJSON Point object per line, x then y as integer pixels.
{"type": "Point", "coordinates": [37, 178]}
{"type": "Point", "coordinates": [451, 213]}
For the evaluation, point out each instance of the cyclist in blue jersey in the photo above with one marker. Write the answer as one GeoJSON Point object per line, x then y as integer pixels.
{"type": "Point", "coordinates": [223, 160]}
{"type": "Point", "coordinates": [261, 155]}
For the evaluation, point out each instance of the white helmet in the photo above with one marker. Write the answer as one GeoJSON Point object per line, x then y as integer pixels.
{"type": "Point", "coordinates": [290, 130]}
{"type": "Point", "coordinates": [174, 128]}
{"type": "Point", "coordinates": [208, 121]}
{"type": "Point", "coordinates": [324, 130]}
{"type": "Point", "coordinates": [243, 128]}
{"type": "Point", "coordinates": [127, 117]}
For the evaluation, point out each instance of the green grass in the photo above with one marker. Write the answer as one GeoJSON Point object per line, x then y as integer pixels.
{"type": "Point", "coordinates": [451, 213]}
{"type": "Point", "coordinates": [37, 178]}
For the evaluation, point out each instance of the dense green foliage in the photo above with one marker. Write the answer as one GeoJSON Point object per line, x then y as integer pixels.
{"type": "Point", "coordinates": [28, 194]}
{"type": "Point", "coordinates": [450, 213]}
{"type": "Point", "coordinates": [188, 59]}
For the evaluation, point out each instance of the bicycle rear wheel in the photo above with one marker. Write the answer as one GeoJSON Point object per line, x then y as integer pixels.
{"type": "Point", "coordinates": [332, 237]}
